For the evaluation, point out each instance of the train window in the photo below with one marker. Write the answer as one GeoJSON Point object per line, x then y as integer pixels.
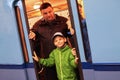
{"type": "Point", "coordinates": [60, 8]}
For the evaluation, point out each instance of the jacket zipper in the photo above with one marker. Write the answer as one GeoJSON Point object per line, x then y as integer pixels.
{"type": "Point", "coordinates": [61, 68]}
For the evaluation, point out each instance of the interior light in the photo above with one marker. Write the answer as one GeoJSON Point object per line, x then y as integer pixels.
{"type": "Point", "coordinates": [36, 6]}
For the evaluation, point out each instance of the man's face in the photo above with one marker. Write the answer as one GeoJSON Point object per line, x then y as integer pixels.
{"type": "Point", "coordinates": [48, 14]}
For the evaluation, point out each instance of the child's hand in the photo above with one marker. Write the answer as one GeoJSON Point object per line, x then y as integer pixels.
{"type": "Point", "coordinates": [76, 60]}
{"type": "Point", "coordinates": [74, 52]}
{"type": "Point", "coordinates": [35, 57]}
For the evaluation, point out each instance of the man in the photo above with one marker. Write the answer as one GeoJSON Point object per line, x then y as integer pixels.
{"type": "Point", "coordinates": [41, 34]}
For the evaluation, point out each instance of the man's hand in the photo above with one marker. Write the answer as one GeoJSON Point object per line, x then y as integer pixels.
{"type": "Point", "coordinates": [32, 35]}
{"type": "Point", "coordinates": [72, 31]}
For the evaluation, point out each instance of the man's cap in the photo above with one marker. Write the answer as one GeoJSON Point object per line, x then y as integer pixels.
{"type": "Point", "coordinates": [57, 34]}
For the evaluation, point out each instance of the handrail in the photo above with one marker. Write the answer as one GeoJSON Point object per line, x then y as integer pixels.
{"type": "Point", "coordinates": [21, 33]}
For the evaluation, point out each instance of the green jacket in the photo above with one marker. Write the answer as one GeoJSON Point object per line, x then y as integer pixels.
{"type": "Point", "coordinates": [64, 62]}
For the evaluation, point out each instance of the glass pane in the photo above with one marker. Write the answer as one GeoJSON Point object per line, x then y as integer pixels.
{"type": "Point", "coordinates": [86, 44]}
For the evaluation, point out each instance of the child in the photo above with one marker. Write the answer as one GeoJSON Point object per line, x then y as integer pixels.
{"type": "Point", "coordinates": [63, 57]}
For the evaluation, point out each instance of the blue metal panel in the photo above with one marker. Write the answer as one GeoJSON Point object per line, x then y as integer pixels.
{"type": "Point", "coordinates": [103, 23]}
{"type": "Point", "coordinates": [10, 48]}
{"type": "Point", "coordinates": [12, 65]}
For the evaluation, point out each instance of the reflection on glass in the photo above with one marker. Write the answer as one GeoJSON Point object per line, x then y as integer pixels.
{"type": "Point", "coordinates": [84, 31]}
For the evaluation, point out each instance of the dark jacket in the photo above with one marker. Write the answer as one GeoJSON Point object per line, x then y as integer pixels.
{"type": "Point", "coordinates": [45, 30]}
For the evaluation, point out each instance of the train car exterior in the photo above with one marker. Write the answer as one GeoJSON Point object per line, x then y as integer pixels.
{"type": "Point", "coordinates": [102, 18]}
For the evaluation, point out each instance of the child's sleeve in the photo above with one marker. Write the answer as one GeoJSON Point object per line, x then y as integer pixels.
{"type": "Point", "coordinates": [48, 62]}
{"type": "Point", "coordinates": [72, 61]}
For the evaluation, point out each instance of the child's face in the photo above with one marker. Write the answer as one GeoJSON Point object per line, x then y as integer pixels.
{"type": "Point", "coordinates": [59, 41]}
